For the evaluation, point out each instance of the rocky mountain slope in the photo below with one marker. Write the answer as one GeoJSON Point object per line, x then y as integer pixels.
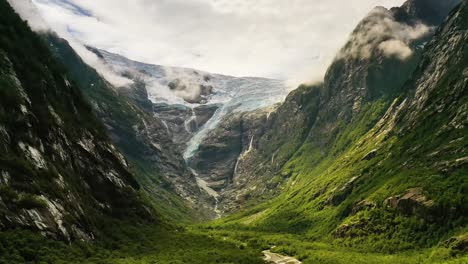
{"type": "Point", "coordinates": [191, 102]}
{"type": "Point", "coordinates": [66, 194]}
{"type": "Point", "coordinates": [164, 92]}
{"type": "Point", "coordinates": [384, 166]}
{"type": "Point", "coordinates": [142, 137]}
{"type": "Point", "coordinates": [59, 173]}
{"type": "Point", "coordinates": [324, 120]}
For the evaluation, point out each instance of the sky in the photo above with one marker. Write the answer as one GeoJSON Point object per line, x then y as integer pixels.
{"type": "Point", "coordinates": [293, 40]}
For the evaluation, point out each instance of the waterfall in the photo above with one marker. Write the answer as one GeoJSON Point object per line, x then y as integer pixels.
{"type": "Point", "coordinates": [194, 143]}
{"type": "Point", "coordinates": [166, 126]}
{"type": "Point", "coordinates": [188, 121]}
{"type": "Point", "coordinates": [242, 155]}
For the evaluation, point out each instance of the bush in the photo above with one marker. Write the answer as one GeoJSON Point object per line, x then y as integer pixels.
{"type": "Point", "coordinates": [29, 201]}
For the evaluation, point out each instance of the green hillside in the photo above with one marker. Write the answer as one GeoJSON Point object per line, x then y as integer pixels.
{"type": "Point", "coordinates": [390, 178]}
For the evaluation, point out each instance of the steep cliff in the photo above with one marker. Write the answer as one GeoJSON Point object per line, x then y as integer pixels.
{"type": "Point", "coordinates": [60, 174]}
{"type": "Point", "coordinates": [142, 137]}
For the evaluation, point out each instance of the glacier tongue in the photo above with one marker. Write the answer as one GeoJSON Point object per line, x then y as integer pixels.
{"type": "Point", "coordinates": [192, 88]}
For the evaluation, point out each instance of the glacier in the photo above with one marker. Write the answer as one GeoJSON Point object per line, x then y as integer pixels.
{"type": "Point", "coordinates": [176, 86]}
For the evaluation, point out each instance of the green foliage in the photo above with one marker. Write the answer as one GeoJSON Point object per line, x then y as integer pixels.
{"type": "Point", "coordinates": [125, 244]}
{"type": "Point", "coordinates": [29, 201]}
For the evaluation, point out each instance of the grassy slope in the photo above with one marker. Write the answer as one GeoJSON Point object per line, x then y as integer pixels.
{"type": "Point", "coordinates": [302, 223]}
{"type": "Point", "coordinates": [316, 217]}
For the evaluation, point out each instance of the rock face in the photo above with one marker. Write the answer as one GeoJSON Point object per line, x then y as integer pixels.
{"type": "Point", "coordinates": [59, 172]}
{"type": "Point", "coordinates": [220, 154]}
{"type": "Point", "coordinates": [217, 156]}
{"type": "Point", "coordinates": [150, 136]}
{"type": "Point", "coordinates": [431, 12]}
{"type": "Point", "coordinates": [239, 156]}
{"type": "Point", "coordinates": [182, 122]}
{"type": "Point", "coordinates": [411, 202]}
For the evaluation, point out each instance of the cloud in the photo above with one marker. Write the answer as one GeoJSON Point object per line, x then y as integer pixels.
{"type": "Point", "coordinates": [28, 11]}
{"type": "Point", "coordinates": [293, 40]}
{"type": "Point", "coordinates": [380, 32]}
{"type": "Point", "coordinates": [94, 61]}
{"type": "Point", "coordinates": [396, 48]}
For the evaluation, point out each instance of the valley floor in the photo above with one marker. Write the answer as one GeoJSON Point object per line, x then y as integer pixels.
{"type": "Point", "coordinates": [126, 245]}
{"type": "Point", "coordinates": [310, 252]}
{"type": "Point", "coordinates": [201, 244]}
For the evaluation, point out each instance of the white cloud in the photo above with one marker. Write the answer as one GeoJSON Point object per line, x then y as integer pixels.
{"type": "Point", "coordinates": [28, 12]}
{"type": "Point", "coordinates": [293, 39]}
{"type": "Point", "coordinates": [380, 31]}
{"type": "Point", "coordinates": [396, 48]}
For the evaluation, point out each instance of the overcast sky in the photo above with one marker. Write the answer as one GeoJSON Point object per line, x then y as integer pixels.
{"type": "Point", "coordinates": [284, 39]}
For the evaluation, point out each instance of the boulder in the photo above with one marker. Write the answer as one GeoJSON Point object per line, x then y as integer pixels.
{"type": "Point", "coordinates": [412, 202]}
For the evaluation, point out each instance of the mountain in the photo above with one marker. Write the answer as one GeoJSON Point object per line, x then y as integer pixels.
{"type": "Point", "coordinates": [60, 173]}
{"type": "Point", "coordinates": [167, 94]}
{"type": "Point", "coordinates": [368, 166]}
{"type": "Point", "coordinates": [366, 76]}
{"type": "Point", "coordinates": [383, 166]}
{"type": "Point", "coordinates": [67, 195]}
{"type": "Point", "coordinates": [192, 102]}
{"type": "Point", "coordinates": [141, 136]}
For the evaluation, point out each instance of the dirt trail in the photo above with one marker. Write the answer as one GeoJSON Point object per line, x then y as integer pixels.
{"type": "Point", "coordinates": [273, 258]}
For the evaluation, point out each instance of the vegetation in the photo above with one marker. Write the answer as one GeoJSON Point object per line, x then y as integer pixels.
{"type": "Point", "coordinates": [125, 244]}
{"type": "Point", "coordinates": [314, 252]}
{"type": "Point", "coordinates": [388, 185]}
{"type": "Point", "coordinates": [341, 203]}
{"type": "Point", "coordinates": [123, 115]}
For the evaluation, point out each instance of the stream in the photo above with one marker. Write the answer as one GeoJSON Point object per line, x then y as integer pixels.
{"type": "Point", "coordinates": [274, 258]}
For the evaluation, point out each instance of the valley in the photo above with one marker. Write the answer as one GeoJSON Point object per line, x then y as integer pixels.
{"type": "Point", "coordinates": [179, 165]}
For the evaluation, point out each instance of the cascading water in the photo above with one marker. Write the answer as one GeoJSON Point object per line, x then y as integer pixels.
{"type": "Point", "coordinates": [189, 121]}
{"type": "Point", "coordinates": [181, 88]}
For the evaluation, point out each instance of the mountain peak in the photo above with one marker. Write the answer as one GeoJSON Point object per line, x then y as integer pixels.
{"type": "Point", "coordinates": [430, 12]}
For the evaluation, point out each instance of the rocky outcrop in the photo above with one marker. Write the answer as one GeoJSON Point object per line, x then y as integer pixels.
{"type": "Point", "coordinates": [182, 122]}
{"type": "Point", "coordinates": [217, 156]}
{"type": "Point", "coordinates": [459, 245]}
{"type": "Point", "coordinates": [412, 202]}
{"type": "Point", "coordinates": [431, 12]}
